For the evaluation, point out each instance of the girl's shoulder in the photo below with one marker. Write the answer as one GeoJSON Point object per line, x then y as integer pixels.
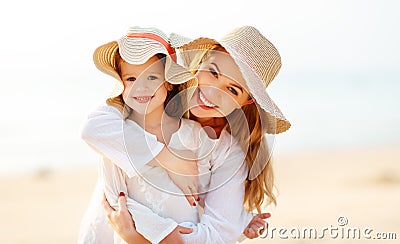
{"type": "Point", "coordinates": [104, 109]}
{"type": "Point", "coordinates": [108, 108]}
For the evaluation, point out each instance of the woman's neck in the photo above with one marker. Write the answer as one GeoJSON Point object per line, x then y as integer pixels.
{"type": "Point", "coordinates": [213, 125]}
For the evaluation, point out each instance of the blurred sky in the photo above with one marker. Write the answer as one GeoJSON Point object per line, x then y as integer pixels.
{"type": "Point", "coordinates": [339, 84]}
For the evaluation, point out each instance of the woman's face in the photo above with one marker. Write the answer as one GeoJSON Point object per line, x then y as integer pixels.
{"type": "Point", "coordinates": [219, 91]}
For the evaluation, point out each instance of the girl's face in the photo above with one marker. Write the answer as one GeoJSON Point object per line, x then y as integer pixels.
{"type": "Point", "coordinates": [145, 88]}
{"type": "Point", "coordinates": [219, 91]}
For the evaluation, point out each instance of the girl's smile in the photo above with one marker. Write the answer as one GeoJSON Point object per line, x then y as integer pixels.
{"type": "Point", "coordinates": [143, 99]}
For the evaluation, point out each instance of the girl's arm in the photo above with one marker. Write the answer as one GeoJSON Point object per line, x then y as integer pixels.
{"type": "Point", "coordinates": [125, 144]}
{"type": "Point", "coordinates": [132, 149]}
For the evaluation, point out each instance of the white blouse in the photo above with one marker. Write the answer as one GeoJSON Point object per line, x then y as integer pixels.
{"type": "Point", "coordinates": [155, 212]}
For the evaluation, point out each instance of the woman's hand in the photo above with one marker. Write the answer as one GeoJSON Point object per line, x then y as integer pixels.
{"type": "Point", "coordinates": [175, 236]}
{"type": "Point", "coordinates": [256, 226]}
{"type": "Point", "coordinates": [181, 166]}
{"type": "Point", "coordinates": [121, 221]}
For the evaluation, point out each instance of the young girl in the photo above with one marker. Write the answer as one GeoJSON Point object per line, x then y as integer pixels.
{"type": "Point", "coordinates": [250, 63]}
{"type": "Point", "coordinates": [155, 196]}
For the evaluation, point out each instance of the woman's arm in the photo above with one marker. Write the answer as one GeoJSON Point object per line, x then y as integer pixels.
{"type": "Point", "coordinates": [224, 217]}
{"type": "Point", "coordinates": [121, 221]}
{"type": "Point", "coordinates": [126, 228]}
{"type": "Point", "coordinates": [148, 224]}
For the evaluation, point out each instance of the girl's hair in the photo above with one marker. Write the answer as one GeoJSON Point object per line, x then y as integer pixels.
{"type": "Point", "coordinates": [253, 143]}
{"type": "Point", "coordinates": [173, 108]}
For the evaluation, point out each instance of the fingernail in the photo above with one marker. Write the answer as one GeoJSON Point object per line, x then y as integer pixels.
{"type": "Point", "coordinates": [121, 194]}
{"type": "Point", "coordinates": [194, 204]}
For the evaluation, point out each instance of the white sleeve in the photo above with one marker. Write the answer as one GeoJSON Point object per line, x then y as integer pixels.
{"type": "Point", "coordinates": [224, 217]}
{"type": "Point", "coordinates": [248, 218]}
{"type": "Point", "coordinates": [152, 226]}
{"type": "Point", "coordinates": [124, 142]}
{"type": "Point", "coordinates": [94, 227]}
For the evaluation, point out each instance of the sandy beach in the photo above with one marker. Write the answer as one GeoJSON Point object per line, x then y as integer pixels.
{"type": "Point", "coordinates": [315, 189]}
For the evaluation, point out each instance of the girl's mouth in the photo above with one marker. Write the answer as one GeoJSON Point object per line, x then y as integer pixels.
{"type": "Point", "coordinates": [143, 99]}
{"type": "Point", "coordinates": [204, 102]}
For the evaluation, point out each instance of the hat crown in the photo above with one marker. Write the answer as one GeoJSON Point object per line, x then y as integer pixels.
{"type": "Point", "coordinates": [249, 46]}
{"type": "Point", "coordinates": [152, 30]}
{"type": "Point", "coordinates": [139, 44]}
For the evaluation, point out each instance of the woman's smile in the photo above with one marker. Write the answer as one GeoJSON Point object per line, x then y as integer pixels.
{"type": "Point", "coordinates": [204, 102]}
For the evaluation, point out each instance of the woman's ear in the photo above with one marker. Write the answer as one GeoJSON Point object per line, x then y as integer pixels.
{"type": "Point", "coordinates": [250, 101]}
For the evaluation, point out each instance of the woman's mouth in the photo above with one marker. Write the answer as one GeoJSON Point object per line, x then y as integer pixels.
{"type": "Point", "coordinates": [204, 102]}
{"type": "Point", "coordinates": [143, 99]}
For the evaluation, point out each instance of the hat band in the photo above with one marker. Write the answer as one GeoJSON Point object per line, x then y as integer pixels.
{"type": "Point", "coordinates": [155, 38]}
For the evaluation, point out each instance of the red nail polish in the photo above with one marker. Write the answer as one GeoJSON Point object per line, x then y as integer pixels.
{"type": "Point", "coordinates": [194, 204]}
{"type": "Point", "coordinates": [121, 194]}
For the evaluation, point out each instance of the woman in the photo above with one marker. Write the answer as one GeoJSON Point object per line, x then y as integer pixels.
{"type": "Point", "coordinates": [232, 79]}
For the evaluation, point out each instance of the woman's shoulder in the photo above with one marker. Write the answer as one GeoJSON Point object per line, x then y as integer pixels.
{"type": "Point", "coordinates": [190, 123]}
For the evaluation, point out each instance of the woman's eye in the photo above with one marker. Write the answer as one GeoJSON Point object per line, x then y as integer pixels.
{"type": "Point", "coordinates": [131, 79]}
{"type": "Point", "coordinates": [152, 77]}
{"type": "Point", "coordinates": [213, 72]}
{"type": "Point", "coordinates": [233, 90]}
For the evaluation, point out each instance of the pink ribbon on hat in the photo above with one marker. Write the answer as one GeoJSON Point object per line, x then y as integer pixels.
{"type": "Point", "coordinates": [155, 37]}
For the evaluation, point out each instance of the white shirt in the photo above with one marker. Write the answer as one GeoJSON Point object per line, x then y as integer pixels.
{"type": "Point", "coordinates": [224, 217]}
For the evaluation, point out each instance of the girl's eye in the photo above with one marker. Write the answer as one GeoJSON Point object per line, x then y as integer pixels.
{"type": "Point", "coordinates": [233, 90]}
{"type": "Point", "coordinates": [152, 77]}
{"type": "Point", "coordinates": [131, 79]}
{"type": "Point", "coordinates": [213, 72]}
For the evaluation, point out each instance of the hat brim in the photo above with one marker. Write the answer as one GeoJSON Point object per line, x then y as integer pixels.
{"type": "Point", "coordinates": [104, 60]}
{"type": "Point", "coordinates": [269, 111]}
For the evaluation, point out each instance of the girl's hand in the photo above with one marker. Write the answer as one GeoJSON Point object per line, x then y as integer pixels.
{"type": "Point", "coordinates": [182, 169]}
{"type": "Point", "coordinates": [256, 226]}
{"type": "Point", "coordinates": [121, 221]}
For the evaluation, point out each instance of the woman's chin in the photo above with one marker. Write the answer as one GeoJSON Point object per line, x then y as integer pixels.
{"type": "Point", "coordinates": [202, 113]}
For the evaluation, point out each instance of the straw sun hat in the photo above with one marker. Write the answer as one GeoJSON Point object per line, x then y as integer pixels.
{"type": "Point", "coordinates": [136, 47]}
{"type": "Point", "coordinates": [258, 61]}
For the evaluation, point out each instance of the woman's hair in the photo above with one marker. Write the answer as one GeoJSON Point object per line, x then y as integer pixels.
{"type": "Point", "coordinates": [260, 181]}
{"type": "Point", "coordinates": [173, 108]}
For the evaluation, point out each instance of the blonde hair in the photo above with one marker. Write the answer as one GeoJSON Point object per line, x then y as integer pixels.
{"type": "Point", "coordinates": [259, 184]}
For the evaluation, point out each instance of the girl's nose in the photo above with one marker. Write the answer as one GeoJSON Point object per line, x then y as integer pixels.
{"type": "Point", "coordinates": [141, 85]}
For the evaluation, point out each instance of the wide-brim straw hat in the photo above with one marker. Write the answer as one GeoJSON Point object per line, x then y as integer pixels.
{"type": "Point", "coordinates": [258, 61]}
{"type": "Point", "coordinates": [136, 47]}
